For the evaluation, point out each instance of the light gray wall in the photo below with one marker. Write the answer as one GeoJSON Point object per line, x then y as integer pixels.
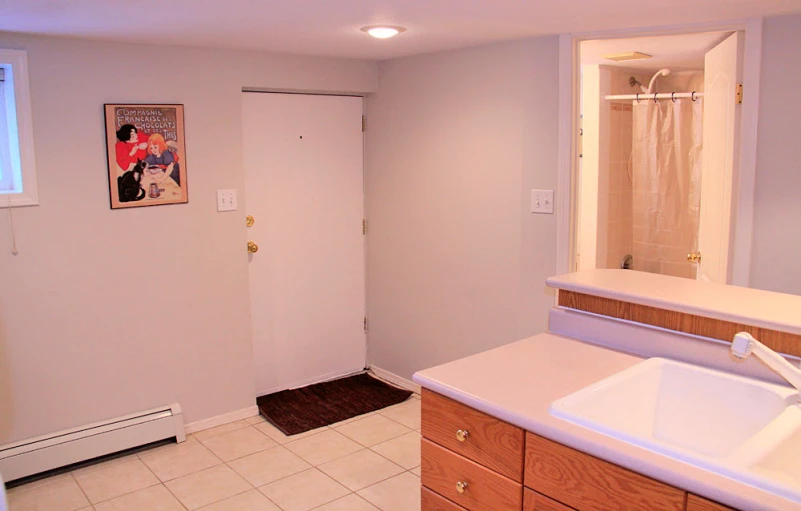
{"type": "Point", "coordinates": [456, 262]}
{"type": "Point", "coordinates": [106, 312]}
{"type": "Point", "coordinates": [776, 256]}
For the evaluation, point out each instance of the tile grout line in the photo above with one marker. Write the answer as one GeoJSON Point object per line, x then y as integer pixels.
{"type": "Point", "coordinates": [393, 420]}
{"type": "Point", "coordinates": [161, 482]}
{"type": "Point", "coordinates": [357, 452]}
{"type": "Point", "coordinates": [222, 464]}
{"type": "Point", "coordinates": [398, 464]}
{"type": "Point", "coordinates": [313, 467]}
{"type": "Point", "coordinates": [367, 415]}
{"type": "Point", "coordinates": [388, 439]}
{"type": "Point", "coordinates": [313, 434]}
{"type": "Point", "coordinates": [243, 456]}
{"type": "Point", "coordinates": [72, 475]}
{"type": "Point", "coordinates": [355, 492]}
{"type": "Point", "coordinates": [229, 497]}
{"type": "Point", "coordinates": [271, 501]}
{"type": "Point", "coordinates": [379, 482]}
{"type": "Point", "coordinates": [364, 447]}
{"type": "Point", "coordinates": [219, 426]}
{"type": "Point", "coordinates": [92, 504]}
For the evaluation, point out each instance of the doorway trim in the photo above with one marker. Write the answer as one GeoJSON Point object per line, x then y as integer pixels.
{"type": "Point", "coordinates": [568, 161]}
{"type": "Point", "coordinates": [366, 362]}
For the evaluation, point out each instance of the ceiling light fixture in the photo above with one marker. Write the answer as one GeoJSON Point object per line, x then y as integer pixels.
{"type": "Point", "coordinates": [383, 31]}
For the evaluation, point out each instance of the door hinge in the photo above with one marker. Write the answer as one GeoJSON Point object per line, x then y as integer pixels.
{"type": "Point", "coordinates": [364, 226]}
{"type": "Point", "coordinates": [365, 325]}
{"type": "Point", "coordinates": [364, 124]}
{"type": "Point", "coordinates": [739, 95]}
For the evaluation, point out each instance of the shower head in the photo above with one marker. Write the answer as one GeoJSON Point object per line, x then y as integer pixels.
{"type": "Point", "coordinates": [662, 72]}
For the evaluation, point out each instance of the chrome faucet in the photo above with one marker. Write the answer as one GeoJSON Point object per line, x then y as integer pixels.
{"type": "Point", "coordinates": [744, 345]}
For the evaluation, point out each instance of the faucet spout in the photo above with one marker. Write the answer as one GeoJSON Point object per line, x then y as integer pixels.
{"type": "Point", "coordinates": [744, 345]}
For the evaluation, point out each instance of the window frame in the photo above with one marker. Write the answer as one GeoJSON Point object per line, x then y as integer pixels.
{"type": "Point", "coordinates": [15, 65]}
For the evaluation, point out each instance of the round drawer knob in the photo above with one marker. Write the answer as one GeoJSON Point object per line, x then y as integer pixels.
{"type": "Point", "coordinates": [461, 487]}
{"type": "Point", "coordinates": [462, 434]}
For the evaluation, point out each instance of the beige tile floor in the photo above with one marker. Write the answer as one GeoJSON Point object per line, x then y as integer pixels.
{"type": "Point", "coordinates": [368, 463]}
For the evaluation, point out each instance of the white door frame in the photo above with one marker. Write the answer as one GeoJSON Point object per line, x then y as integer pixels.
{"type": "Point", "coordinates": [743, 186]}
{"type": "Point", "coordinates": [363, 96]}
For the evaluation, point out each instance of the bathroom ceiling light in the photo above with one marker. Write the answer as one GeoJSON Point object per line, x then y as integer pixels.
{"type": "Point", "coordinates": [383, 31]}
{"type": "Point", "coordinates": [628, 55]}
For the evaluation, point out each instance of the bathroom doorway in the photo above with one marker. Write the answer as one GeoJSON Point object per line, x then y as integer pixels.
{"type": "Point", "coordinates": [659, 139]}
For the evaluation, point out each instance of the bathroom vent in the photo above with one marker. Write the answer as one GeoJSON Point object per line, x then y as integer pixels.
{"type": "Point", "coordinates": [35, 455]}
{"type": "Point", "coordinates": [628, 55]}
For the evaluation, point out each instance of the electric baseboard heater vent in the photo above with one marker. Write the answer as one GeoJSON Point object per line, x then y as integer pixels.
{"type": "Point", "coordinates": [40, 454]}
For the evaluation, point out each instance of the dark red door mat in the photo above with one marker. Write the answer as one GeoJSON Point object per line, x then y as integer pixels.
{"type": "Point", "coordinates": [299, 410]}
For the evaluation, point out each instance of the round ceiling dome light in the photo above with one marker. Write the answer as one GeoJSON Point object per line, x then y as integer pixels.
{"type": "Point", "coordinates": [383, 31]}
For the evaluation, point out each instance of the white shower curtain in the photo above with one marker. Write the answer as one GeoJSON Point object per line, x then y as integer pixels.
{"type": "Point", "coordinates": [666, 178]}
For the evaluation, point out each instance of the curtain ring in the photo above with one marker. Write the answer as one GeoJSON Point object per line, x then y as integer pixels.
{"type": "Point", "coordinates": [673, 96]}
{"type": "Point", "coordinates": [693, 96]}
{"type": "Point", "coordinates": [655, 100]}
{"type": "Point", "coordinates": [638, 97]}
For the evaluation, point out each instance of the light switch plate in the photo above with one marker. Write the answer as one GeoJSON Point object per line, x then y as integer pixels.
{"type": "Point", "coordinates": [542, 201]}
{"type": "Point", "coordinates": [226, 200]}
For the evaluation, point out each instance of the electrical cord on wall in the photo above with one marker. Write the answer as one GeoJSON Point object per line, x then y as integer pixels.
{"type": "Point", "coordinates": [14, 250]}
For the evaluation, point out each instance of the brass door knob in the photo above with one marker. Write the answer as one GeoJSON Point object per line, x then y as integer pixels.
{"type": "Point", "coordinates": [461, 487]}
{"type": "Point", "coordinates": [694, 257]}
{"type": "Point", "coordinates": [252, 247]}
{"type": "Point", "coordinates": [462, 434]}
{"type": "Point", "coordinates": [249, 220]}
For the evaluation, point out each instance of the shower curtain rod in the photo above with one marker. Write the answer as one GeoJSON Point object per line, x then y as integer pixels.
{"type": "Point", "coordinates": [652, 97]}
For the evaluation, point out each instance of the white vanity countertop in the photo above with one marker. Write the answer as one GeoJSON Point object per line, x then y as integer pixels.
{"type": "Point", "coordinates": [755, 307]}
{"type": "Point", "coordinates": [518, 382]}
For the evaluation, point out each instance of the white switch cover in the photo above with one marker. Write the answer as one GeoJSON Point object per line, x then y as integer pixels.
{"type": "Point", "coordinates": [226, 200]}
{"type": "Point", "coordinates": [542, 201]}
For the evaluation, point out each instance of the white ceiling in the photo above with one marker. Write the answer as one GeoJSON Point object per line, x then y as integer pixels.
{"type": "Point", "coordinates": [678, 52]}
{"type": "Point", "coordinates": [331, 27]}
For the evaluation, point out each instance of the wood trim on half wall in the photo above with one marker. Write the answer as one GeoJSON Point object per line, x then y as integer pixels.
{"type": "Point", "coordinates": [782, 342]}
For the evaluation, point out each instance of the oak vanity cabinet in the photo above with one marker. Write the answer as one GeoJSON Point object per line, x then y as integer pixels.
{"type": "Point", "coordinates": [469, 457]}
{"type": "Point", "coordinates": [696, 503]}
{"type": "Point", "coordinates": [472, 461]}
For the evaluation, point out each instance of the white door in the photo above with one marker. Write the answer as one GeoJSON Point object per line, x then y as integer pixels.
{"type": "Point", "coordinates": [722, 73]}
{"type": "Point", "coordinates": [304, 189]}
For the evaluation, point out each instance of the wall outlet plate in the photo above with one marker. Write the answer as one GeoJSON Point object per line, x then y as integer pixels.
{"type": "Point", "coordinates": [226, 200]}
{"type": "Point", "coordinates": [542, 201]}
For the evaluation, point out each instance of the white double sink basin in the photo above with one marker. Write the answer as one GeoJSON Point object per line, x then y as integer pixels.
{"type": "Point", "coordinates": [738, 427]}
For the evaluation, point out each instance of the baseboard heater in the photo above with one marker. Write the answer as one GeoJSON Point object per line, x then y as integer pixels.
{"type": "Point", "coordinates": [40, 454]}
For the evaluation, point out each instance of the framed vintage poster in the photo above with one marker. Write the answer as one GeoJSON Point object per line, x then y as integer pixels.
{"type": "Point", "coordinates": [146, 155]}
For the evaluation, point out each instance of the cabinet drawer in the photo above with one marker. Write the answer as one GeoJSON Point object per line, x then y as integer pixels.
{"type": "Point", "coordinates": [491, 442]}
{"type": "Point", "coordinates": [586, 483]}
{"type": "Point", "coordinates": [435, 502]}
{"type": "Point", "coordinates": [696, 503]}
{"type": "Point", "coordinates": [533, 501]}
{"type": "Point", "coordinates": [485, 490]}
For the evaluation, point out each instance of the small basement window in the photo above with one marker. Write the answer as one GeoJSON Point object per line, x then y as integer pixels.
{"type": "Point", "coordinates": [17, 168]}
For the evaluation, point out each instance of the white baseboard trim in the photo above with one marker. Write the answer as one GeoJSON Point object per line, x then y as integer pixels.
{"type": "Point", "coordinates": [219, 420]}
{"type": "Point", "coordinates": [394, 379]}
